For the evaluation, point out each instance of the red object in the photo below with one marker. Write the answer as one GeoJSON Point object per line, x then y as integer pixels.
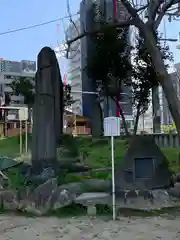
{"type": "Point", "coordinates": [2, 104]}
{"type": "Point", "coordinates": [58, 28]}
{"type": "Point", "coordinates": [115, 9]}
{"type": "Point", "coordinates": [65, 79]}
{"type": "Point", "coordinates": [118, 106]}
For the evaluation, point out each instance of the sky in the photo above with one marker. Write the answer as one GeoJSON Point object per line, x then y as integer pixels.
{"type": "Point", "coordinates": [172, 30]}
{"type": "Point", "coordinates": [25, 45]}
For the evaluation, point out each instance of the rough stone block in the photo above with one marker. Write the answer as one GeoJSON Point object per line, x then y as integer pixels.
{"type": "Point", "coordinates": [91, 210]}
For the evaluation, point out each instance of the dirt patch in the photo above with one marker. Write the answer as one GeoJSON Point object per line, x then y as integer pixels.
{"type": "Point", "coordinates": [15, 228]}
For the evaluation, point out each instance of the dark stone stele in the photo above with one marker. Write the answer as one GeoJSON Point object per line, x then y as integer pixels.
{"type": "Point", "coordinates": [47, 113]}
{"type": "Point", "coordinates": [143, 167]}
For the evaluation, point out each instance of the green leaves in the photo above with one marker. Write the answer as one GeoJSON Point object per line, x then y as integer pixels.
{"type": "Point", "coordinates": [144, 75]}
{"type": "Point", "coordinates": [25, 86]}
{"type": "Point", "coordinates": [111, 66]}
{"type": "Point", "coordinates": [110, 60]}
{"type": "Point", "coordinates": [68, 100]}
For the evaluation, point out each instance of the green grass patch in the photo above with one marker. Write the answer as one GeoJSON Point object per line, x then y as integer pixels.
{"type": "Point", "coordinates": [9, 147]}
{"type": "Point", "coordinates": [75, 210]}
{"type": "Point", "coordinates": [164, 212]}
{"type": "Point", "coordinates": [95, 153]}
{"type": "Point", "coordinates": [172, 156]}
{"type": "Point", "coordinates": [69, 211]}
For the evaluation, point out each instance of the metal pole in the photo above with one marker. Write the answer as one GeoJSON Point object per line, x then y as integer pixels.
{"type": "Point", "coordinates": [26, 137]}
{"type": "Point", "coordinates": [4, 125]}
{"type": "Point", "coordinates": [20, 137]}
{"type": "Point", "coordinates": [75, 125]}
{"type": "Point", "coordinates": [113, 179]}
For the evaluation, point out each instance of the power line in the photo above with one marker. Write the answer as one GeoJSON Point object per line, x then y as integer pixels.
{"type": "Point", "coordinates": [35, 25]}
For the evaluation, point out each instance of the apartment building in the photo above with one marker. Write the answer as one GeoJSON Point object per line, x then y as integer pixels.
{"type": "Point", "coordinates": [11, 70]}
{"type": "Point", "coordinates": [5, 85]}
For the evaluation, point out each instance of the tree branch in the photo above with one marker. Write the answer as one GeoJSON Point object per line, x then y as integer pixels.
{"type": "Point", "coordinates": [70, 17]}
{"type": "Point", "coordinates": [164, 9]}
{"type": "Point", "coordinates": [152, 10]}
{"type": "Point", "coordinates": [135, 20]}
{"type": "Point", "coordinates": [134, 14]}
{"type": "Point", "coordinates": [137, 119]}
{"type": "Point", "coordinates": [123, 117]}
{"type": "Point", "coordinates": [122, 24]}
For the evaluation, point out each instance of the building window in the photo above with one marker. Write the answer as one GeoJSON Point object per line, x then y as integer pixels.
{"type": "Point", "coordinates": [143, 168]}
{"type": "Point", "coordinates": [9, 77]}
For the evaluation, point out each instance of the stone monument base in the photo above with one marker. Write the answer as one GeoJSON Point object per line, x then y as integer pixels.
{"type": "Point", "coordinates": [44, 169]}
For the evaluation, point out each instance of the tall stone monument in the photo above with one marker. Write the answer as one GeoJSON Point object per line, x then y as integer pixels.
{"type": "Point", "coordinates": [47, 112]}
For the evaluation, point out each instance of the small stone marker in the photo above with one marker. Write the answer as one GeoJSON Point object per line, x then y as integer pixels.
{"type": "Point", "coordinates": [91, 210]}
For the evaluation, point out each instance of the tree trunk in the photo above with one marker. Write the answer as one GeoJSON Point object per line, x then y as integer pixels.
{"type": "Point", "coordinates": [123, 118]}
{"type": "Point", "coordinates": [156, 110]}
{"type": "Point", "coordinates": [163, 76]}
{"type": "Point", "coordinates": [97, 120]}
{"type": "Point", "coordinates": [136, 120]}
{"type": "Point", "coordinates": [124, 121]}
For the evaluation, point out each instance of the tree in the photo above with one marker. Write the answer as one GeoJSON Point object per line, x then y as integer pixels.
{"type": "Point", "coordinates": [68, 99]}
{"type": "Point", "coordinates": [111, 62]}
{"type": "Point", "coordinates": [147, 24]}
{"type": "Point", "coordinates": [147, 28]}
{"type": "Point", "coordinates": [144, 75]}
{"type": "Point", "coordinates": [25, 86]}
{"type": "Point", "coordinates": [109, 66]}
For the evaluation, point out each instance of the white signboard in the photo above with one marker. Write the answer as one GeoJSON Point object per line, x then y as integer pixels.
{"type": "Point", "coordinates": [23, 114]}
{"type": "Point", "coordinates": [112, 126]}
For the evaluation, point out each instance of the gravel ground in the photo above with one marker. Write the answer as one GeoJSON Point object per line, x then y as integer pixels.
{"type": "Point", "coordinates": [83, 228]}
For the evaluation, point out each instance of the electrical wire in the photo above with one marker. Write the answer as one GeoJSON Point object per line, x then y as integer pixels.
{"type": "Point", "coordinates": [35, 25]}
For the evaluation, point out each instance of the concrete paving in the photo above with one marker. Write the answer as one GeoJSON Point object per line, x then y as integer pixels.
{"type": "Point", "coordinates": [15, 228]}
